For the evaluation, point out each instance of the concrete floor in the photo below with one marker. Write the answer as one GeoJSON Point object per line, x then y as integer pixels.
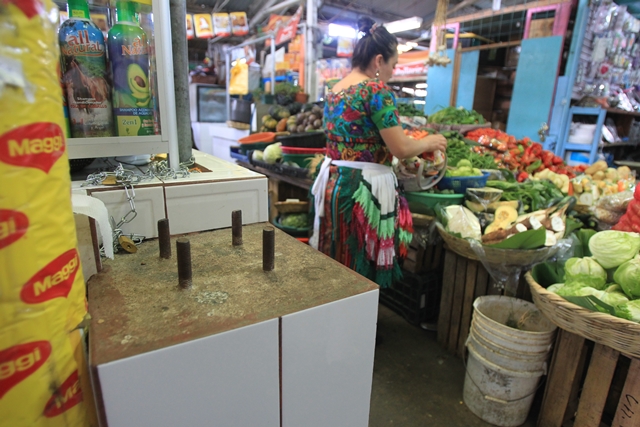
{"type": "Point", "coordinates": [416, 382]}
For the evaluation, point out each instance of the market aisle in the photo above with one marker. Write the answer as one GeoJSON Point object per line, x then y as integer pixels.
{"type": "Point", "coordinates": [416, 382]}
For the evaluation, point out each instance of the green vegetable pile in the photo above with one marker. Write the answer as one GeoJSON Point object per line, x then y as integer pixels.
{"type": "Point", "coordinates": [295, 220]}
{"type": "Point", "coordinates": [456, 116]}
{"type": "Point", "coordinates": [535, 195]}
{"type": "Point", "coordinates": [409, 110]}
{"type": "Point", "coordinates": [605, 276]}
{"type": "Point", "coordinates": [458, 150]}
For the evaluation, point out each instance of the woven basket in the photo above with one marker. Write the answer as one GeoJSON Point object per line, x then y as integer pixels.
{"type": "Point", "coordinates": [619, 334]}
{"type": "Point", "coordinates": [495, 256]}
{"type": "Point", "coordinates": [292, 207]}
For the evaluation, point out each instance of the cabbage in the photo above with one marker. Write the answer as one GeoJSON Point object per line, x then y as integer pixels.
{"type": "Point", "coordinates": [629, 311]}
{"type": "Point", "coordinates": [614, 296]}
{"type": "Point", "coordinates": [257, 155]}
{"type": "Point", "coordinates": [555, 287]}
{"type": "Point", "coordinates": [272, 153]}
{"type": "Point", "coordinates": [585, 270]}
{"type": "Point", "coordinates": [577, 289]}
{"type": "Point", "coordinates": [628, 276]}
{"type": "Point", "coordinates": [296, 220]}
{"type": "Point", "coordinates": [612, 248]}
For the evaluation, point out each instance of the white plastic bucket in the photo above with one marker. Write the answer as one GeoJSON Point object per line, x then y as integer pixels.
{"type": "Point", "coordinates": [531, 362]}
{"type": "Point", "coordinates": [514, 344]}
{"type": "Point", "coordinates": [499, 396]}
{"type": "Point", "coordinates": [499, 311]}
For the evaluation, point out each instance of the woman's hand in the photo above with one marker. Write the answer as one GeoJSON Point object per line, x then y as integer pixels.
{"type": "Point", "coordinates": [435, 142]}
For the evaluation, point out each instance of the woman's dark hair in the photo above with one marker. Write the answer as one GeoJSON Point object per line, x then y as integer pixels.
{"type": "Point", "coordinates": [376, 41]}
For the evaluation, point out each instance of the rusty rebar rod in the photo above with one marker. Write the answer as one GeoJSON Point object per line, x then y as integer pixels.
{"type": "Point", "coordinates": [268, 248]}
{"type": "Point", "coordinates": [236, 227]}
{"type": "Point", "coordinates": [183, 248]}
{"type": "Point", "coordinates": [164, 238]}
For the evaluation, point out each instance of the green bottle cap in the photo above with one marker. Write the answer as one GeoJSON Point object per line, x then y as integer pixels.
{"type": "Point", "coordinates": [126, 11]}
{"type": "Point", "coordinates": [78, 9]}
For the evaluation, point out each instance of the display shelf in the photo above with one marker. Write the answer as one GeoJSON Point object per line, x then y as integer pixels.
{"type": "Point", "coordinates": [167, 139]}
{"type": "Point", "coordinates": [564, 146]}
{"type": "Point", "coordinates": [577, 147]}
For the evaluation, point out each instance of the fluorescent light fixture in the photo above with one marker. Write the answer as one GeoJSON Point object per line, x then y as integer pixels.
{"type": "Point", "coordinates": [421, 93]}
{"type": "Point", "coordinates": [404, 24]}
{"type": "Point", "coordinates": [421, 86]}
{"type": "Point", "coordinates": [336, 30]}
{"type": "Point", "coordinates": [419, 102]}
{"type": "Point", "coordinates": [408, 90]}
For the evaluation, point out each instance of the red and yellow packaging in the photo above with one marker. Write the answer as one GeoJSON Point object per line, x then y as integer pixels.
{"type": "Point", "coordinates": [43, 378]}
{"type": "Point", "coordinates": [40, 268]}
{"type": "Point", "coordinates": [42, 292]}
{"type": "Point", "coordinates": [203, 25]}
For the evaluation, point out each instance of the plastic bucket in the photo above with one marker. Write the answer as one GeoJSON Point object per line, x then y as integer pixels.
{"type": "Point", "coordinates": [499, 396]}
{"type": "Point", "coordinates": [532, 362]}
{"type": "Point", "coordinates": [500, 311]}
{"type": "Point", "coordinates": [512, 335]}
{"type": "Point", "coordinates": [512, 344]}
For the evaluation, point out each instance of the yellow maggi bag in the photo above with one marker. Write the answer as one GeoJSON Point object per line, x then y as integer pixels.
{"type": "Point", "coordinates": [41, 377]}
{"type": "Point", "coordinates": [39, 264]}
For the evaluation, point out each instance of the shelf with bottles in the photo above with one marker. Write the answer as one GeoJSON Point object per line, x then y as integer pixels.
{"type": "Point", "coordinates": [117, 77]}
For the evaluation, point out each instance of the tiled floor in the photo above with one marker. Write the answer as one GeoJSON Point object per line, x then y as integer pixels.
{"type": "Point", "coordinates": [417, 383]}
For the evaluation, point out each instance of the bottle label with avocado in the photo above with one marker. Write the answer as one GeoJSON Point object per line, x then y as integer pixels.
{"type": "Point", "coordinates": [132, 103]}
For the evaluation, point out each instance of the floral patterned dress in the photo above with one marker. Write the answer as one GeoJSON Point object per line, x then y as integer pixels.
{"type": "Point", "coordinates": [353, 229]}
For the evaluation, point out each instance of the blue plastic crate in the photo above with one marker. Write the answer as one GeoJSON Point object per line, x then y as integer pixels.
{"type": "Point", "coordinates": [459, 184]}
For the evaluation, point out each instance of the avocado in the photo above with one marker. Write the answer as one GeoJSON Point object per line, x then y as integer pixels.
{"type": "Point", "coordinates": [138, 82]}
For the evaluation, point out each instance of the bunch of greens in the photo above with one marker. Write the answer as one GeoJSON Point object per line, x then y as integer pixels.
{"type": "Point", "coordinates": [457, 149]}
{"type": "Point", "coordinates": [456, 116]}
{"type": "Point", "coordinates": [535, 195]}
{"type": "Point", "coordinates": [409, 110]}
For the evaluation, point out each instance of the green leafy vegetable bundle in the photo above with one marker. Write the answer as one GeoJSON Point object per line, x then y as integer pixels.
{"type": "Point", "coordinates": [456, 116]}
{"type": "Point", "coordinates": [409, 110]}
{"type": "Point", "coordinates": [458, 150]}
{"type": "Point", "coordinates": [534, 195]}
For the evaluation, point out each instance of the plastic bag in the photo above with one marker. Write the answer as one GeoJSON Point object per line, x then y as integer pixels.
{"type": "Point", "coordinates": [239, 80]}
{"type": "Point", "coordinates": [462, 221]}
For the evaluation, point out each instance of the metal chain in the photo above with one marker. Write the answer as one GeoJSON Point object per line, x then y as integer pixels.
{"type": "Point", "coordinates": [127, 178]}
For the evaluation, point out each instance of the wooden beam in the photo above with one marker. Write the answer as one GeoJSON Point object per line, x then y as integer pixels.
{"type": "Point", "coordinates": [510, 9]}
{"type": "Point", "coordinates": [492, 46]}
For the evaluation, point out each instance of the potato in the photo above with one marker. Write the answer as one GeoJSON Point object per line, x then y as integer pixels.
{"type": "Point", "coordinates": [317, 124]}
{"type": "Point", "coordinates": [598, 176]}
{"type": "Point", "coordinates": [300, 129]}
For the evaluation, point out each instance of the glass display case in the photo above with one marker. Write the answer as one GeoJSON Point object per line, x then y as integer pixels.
{"type": "Point", "coordinates": [139, 91]}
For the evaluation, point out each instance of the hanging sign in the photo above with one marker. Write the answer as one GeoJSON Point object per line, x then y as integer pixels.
{"type": "Point", "coordinates": [289, 31]}
{"type": "Point", "coordinates": [190, 33]}
{"type": "Point", "coordinates": [221, 24]}
{"type": "Point", "coordinates": [203, 25]}
{"type": "Point", "coordinates": [411, 69]}
{"type": "Point", "coordinates": [239, 24]}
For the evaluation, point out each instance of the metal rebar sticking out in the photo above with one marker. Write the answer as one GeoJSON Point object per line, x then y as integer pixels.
{"type": "Point", "coordinates": [164, 238]}
{"type": "Point", "coordinates": [236, 227]}
{"type": "Point", "coordinates": [183, 248]}
{"type": "Point", "coordinates": [268, 248]}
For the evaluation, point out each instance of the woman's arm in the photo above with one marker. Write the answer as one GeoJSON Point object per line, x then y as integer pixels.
{"type": "Point", "coordinates": [403, 147]}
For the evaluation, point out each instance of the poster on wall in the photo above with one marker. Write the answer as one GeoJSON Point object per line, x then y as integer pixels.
{"type": "Point", "coordinates": [239, 24]}
{"type": "Point", "coordinates": [203, 25]}
{"type": "Point", "coordinates": [221, 24]}
{"type": "Point", "coordinates": [190, 33]}
{"type": "Point", "coordinates": [345, 47]}
{"type": "Point", "coordinates": [287, 32]}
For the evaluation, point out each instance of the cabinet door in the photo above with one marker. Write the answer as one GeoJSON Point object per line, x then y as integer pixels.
{"type": "Point", "coordinates": [467, 79]}
{"type": "Point", "coordinates": [327, 363]}
{"type": "Point", "coordinates": [534, 86]}
{"type": "Point", "coordinates": [439, 80]}
{"type": "Point", "coordinates": [224, 380]}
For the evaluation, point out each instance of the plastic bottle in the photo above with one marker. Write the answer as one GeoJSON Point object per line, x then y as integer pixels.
{"type": "Point", "coordinates": [129, 55]}
{"type": "Point", "coordinates": [84, 73]}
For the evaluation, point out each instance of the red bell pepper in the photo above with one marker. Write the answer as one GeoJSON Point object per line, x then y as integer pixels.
{"type": "Point", "coordinates": [522, 176]}
{"type": "Point", "coordinates": [557, 160]}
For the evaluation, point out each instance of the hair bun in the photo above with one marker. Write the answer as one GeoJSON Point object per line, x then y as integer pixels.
{"type": "Point", "coordinates": [365, 23]}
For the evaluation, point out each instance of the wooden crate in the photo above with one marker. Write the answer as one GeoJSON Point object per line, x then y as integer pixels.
{"type": "Point", "coordinates": [421, 259]}
{"type": "Point", "coordinates": [590, 385]}
{"type": "Point", "coordinates": [464, 280]}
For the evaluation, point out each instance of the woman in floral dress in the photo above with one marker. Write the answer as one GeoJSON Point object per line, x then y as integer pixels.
{"type": "Point", "coordinates": [361, 219]}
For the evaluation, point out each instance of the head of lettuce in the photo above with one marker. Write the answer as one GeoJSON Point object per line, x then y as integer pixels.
{"type": "Point", "coordinates": [628, 277]}
{"type": "Point", "coordinates": [585, 270]}
{"type": "Point", "coordinates": [612, 248]}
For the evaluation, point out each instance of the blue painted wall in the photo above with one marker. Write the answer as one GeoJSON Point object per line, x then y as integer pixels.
{"type": "Point", "coordinates": [439, 80]}
{"type": "Point", "coordinates": [467, 80]}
